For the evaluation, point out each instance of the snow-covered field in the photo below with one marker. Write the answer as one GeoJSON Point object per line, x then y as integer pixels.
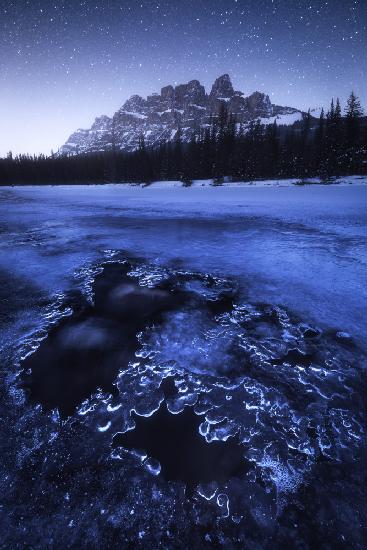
{"type": "Point", "coordinates": [249, 301]}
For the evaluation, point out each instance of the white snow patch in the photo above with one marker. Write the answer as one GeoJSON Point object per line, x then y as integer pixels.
{"type": "Point", "coordinates": [136, 115]}
{"type": "Point", "coordinates": [287, 119]}
{"type": "Point", "coordinates": [198, 106]}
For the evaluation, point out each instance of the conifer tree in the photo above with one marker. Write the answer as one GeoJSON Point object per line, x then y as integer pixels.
{"type": "Point", "coordinates": [353, 113]}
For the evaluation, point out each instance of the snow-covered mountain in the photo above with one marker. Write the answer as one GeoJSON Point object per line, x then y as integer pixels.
{"type": "Point", "coordinates": [186, 106]}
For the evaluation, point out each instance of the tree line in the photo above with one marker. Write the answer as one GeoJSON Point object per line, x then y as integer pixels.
{"type": "Point", "coordinates": [335, 144]}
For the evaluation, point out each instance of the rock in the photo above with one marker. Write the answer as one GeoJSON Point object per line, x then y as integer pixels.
{"type": "Point", "coordinates": [135, 104]}
{"type": "Point", "coordinates": [191, 93]}
{"type": "Point", "coordinates": [311, 332]}
{"type": "Point", "coordinates": [222, 88]}
{"type": "Point", "coordinates": [259, 105]}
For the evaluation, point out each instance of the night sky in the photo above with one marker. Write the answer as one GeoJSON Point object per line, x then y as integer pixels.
{"type": "Point", "coordinates": [64, 62]}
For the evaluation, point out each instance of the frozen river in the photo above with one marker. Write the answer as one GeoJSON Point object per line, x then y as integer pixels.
{"type": "Point", "coordinates": [250, 307]}
{"type": "Point", "coordinates": [302, 247]}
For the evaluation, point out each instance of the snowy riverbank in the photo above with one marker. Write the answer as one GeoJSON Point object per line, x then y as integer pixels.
{"type": "Point", "coordinates": [347, 180]}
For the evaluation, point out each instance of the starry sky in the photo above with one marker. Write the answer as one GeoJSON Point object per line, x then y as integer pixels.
{"type": "Point", "coordinates": [62, 63]}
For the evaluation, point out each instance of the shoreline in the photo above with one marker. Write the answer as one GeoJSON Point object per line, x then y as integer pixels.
{"type": "Point", "coordinates": [340, 181]}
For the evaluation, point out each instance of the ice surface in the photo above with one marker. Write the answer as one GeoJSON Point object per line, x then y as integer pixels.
{"type": "Point", "coordinates": [283, 244]}
{"type": "Point", "coordinates": [246, 307]}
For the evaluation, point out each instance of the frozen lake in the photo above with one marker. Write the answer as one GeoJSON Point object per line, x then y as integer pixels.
{"type": "Point", "coordinates": [148, 331]}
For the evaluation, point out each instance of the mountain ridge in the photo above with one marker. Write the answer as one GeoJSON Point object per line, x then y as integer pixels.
{"type": "Point", "coordinates": [187, 107]}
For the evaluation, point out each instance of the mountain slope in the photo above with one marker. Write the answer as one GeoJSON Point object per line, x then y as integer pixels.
{"type": "Point", "coordinates": [186, 106]}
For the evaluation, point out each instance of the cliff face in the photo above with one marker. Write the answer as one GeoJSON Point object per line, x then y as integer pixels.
{"type": "Point", "coordinates": [158, 117]}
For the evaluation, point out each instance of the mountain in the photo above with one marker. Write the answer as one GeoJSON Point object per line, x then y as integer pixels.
{"type": "Point", "coordinates": [186, 106]}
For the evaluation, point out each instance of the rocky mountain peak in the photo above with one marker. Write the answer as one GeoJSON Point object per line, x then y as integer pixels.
{"type": "Point", "coordinates": [168, 92]}
{"type": "Point", "coordinates": [135, 104]}
{"type": "Point", "coordinates": [185, 106]}
{"type": "Point", "coordinates": [191, 93]}
{"type": "Point", "coordinates": [259, 104]}
{"type": "Point", "coordinates": [222, 88]}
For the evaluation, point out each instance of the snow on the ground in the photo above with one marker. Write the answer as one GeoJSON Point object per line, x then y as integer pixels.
{"type": "Point", "coordinates": [347, 180]}
{"type": "Point", "coordinates": [286, 119]}
{"type": "Point", "coordinates": [316, 112]}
